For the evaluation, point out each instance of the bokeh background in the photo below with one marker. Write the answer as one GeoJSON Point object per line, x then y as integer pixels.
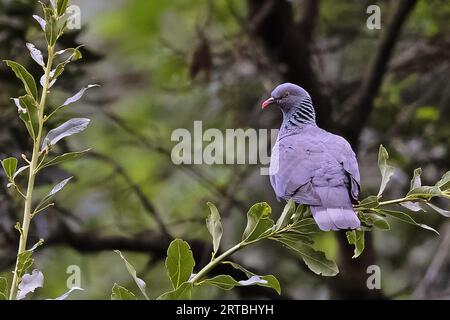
{"type": "Point", "coordinates": [163, 64]}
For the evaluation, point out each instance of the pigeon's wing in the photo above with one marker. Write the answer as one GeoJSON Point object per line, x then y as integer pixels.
{"type": "Point", "coordinates": [292, 169]}
{"type": "Point", "coordinates": [341, 150]}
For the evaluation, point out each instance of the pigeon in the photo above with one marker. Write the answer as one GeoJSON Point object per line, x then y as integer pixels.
{"type": "Point", "coordinates": [312, 166]}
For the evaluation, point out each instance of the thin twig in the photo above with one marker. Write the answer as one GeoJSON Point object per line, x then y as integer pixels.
{"type": "Point", "coordinates": [146, 203]}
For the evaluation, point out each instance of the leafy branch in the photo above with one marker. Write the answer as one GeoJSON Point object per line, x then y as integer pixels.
{"type": "Point", "coordinates": [373, 212]}
{"type": "Point", "coordinates": [293, 229]}
{"type": "Point", "coordinates": [32, 108]}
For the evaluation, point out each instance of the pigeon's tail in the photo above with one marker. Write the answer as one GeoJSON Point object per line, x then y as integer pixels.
{"type": "Point", "coordinates": [335, 218]}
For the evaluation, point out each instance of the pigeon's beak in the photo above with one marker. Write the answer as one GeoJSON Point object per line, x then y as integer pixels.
{"type": "Point", "coordinates": [268, 102]}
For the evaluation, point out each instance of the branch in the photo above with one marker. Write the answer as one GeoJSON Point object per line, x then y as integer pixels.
{"type": "Point", "coordinates": [146, 242]}
{"type": "Point", "coordinates": [288, 44]}
{"type": "Point", "coordinates": [435, 266]}
{"type": "Point", "coordinates": [309, 17]}
{"type": "Point", "coordinates": [207, 182]}
{"type": "Point", "coordinates": [88, 242]}
{"type": "Point", "coordinates": [146, 203]}
{"type": "Point", "coordinates": [361, 104]}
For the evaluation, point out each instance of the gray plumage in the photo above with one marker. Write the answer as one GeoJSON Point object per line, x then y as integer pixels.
{"type": "Point", "coordinates": [311, 165]}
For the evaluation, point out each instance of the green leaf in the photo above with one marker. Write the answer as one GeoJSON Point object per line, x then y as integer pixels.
{"type": "Point", "coordinates": [179, 262]}
{"type": "Point", "coordinates": [406, 218]}
{"type": "Point", "coordinates": [316, 261]}
{"type": "Point", "coordinates": [303, 211]}
{"type": "Point", "coordinates": [121, 293]}
{"type": "Point", "coordinates": [224, 282]}
{"type": "Point", "coordinates": [10, 167]}
{"type": "Point", "coordinates": [444, 183]}
{"type": "Point", "coordinates": [258, 222]}
{"type": "Point", "coordinates": [286, 215]}
{"type": "Point", "coordinates": [425, 192]}
{"type": "Point", "coordinates": [3, 289]}
{"type": "Point", "coordinates": [356, 238]}
{"type": "Point", "coordinates": [62, 7]}
{"type": "Point", "coordinates": [214, 226]}
{"type": "Point", "coordinates": [63, 158]}
{"type": "Point", "coordinates": [369, 202]}
{"type": "Point", "coordinates": [305, 226]}
{"type": "Point", "coordinates": [272, 282]}
{"type": "Point", "coordinates": [386, 170]}
{"type": "Point", "coordinates": [416, 181]}
{"type": "Point", "coordinates": [139, 282]}
{"type": "Point", "coordinates": [25, 260]}
{"type": "Point", "coordinates": [26, 78]}
{"type": "Point", "coordinates": [31, 116]}
{"type": "Point", "coordinates": [380, 222]}
{"type": "Point", "coordinates": [441, 211]}
{"type": "Point", "coordinates": [48, 11]}
{"type": "Point", "coordinates": [183, 292]}
{"type": "Point", "coordinates": [52, 28]}
{"type": "Point", "coordinates": [75, 54]}
{"type": "Point", "coordinates": [294, 236]}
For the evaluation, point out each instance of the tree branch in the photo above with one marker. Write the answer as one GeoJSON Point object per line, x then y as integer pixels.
{"type": "Point", "coordinates": [361, 104]}
{"type": "Point", "coordinates": [146, 203]}
{"type": "Point", "coordinates": [199, 176]}
{"type": "Point", "coordinates": [289, 44]}
{"type": "Point", "coordinates": [309, 17]}
{"type": "Point", "coordinates": [147, 242]}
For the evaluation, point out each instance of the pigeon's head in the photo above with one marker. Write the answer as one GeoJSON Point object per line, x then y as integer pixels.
{"type": "Point", "coordinates": [295, 103]}
{"type": "Point", "coordinates": [287, 96]}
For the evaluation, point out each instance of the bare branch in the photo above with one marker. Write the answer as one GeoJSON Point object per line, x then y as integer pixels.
{"type": "Point", "coordinates": [361, 104]}
{"type": "Point", "coordinates": [146, 203]}
{"type": "Point", "coordinates": [203, 179]}
{"type": "Point", "coordinates": [288, 44]}
{"type": "Point", "coordinates": [309, 17]}
{"type": "Point", "coordinates": [435, 266]}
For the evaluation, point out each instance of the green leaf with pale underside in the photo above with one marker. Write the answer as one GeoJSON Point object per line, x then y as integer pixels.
{"type": "Point", "coordinates": [63, 158]}
{"type": "Point", "coordinates": [401, 216]}
{"type": "Point", "coordinates": [270, 280]}
{"type": "Point", "coordinates": [286, 215]}
{"type": "Point", "coordinates": [121, 293]}
{"type": "Point", "coordinates": [132, 271]}
{"type": "Point", "coordinates": [356, 238]}
{"type": "Point", "coordinates": [214, 226]}
{"type": "Point", "coordinates": [386, 170]}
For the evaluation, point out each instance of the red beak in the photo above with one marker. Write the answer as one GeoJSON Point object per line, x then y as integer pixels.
{"type": "Point", "coordinates": [268, 102]}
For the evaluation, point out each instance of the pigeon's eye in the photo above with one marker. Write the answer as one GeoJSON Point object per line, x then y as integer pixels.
{"type": "Point", "coordinates": [287, 94]}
